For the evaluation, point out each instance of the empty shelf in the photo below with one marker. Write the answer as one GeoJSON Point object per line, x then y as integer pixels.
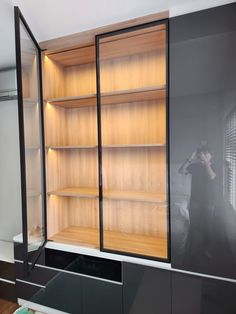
{"type": "Point", "coordinates": [114, 240]}
{"type": "Point", "coordinates": [135, 196]}
{"type": "Point", "coordinates": [134, 95]}
{"type": "Point", "coordinates": [76, 192]}
{"type": "Point", "coordinates": [75, 56]}
{"type": "Point", "coordinates": [78, 236]}
{"type": "Point", "coordinates": [110, 98]}
{"type": "Point", "coordinates": [107, 146]}
{"type": "Point", "coordinates": [75, 101]}
{"type": "Point", "coordinates": [111, 194]}
{"type": "Point", "coordinates": [133, 145]}
{"type": "Point", "coordinates": [72, 147]}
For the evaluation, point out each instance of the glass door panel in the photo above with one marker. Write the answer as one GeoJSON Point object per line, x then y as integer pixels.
{"type": "Point", "coordinates": [31, 137]}
{"type": "Point", "coordinates": [132, 100]}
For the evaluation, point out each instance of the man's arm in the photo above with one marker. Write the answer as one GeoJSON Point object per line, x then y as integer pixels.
{"type": "Point", "coordinates": [210, 172]}
{"type": "Point", "coordinates": [186, 164]}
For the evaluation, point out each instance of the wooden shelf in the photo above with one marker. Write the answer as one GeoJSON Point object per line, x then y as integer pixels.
{"type": "Point", "coordinates": [134, 95]}
{"type": "Point", "coordinates": [75, 101]}
{"type": "Point", "coordinates": [76, 192]}
{"type": "Point", "coordinates": [111, 98]}
{"type": "Point", "coordinates": [83, 55]}
{"type": "Point", "coordinates": [72, 147]}
{"type": "Point", "coordinates": [88, 237]}
{"type": "Point", "coordinates": [135, 196]}
{"type": "Point", "coordinates": [134, 145]}
{"type": "Point", "coordinates": [114, 240]}
{"type": "Point", "coordinates": [160, 145]}
{"type": "Point", "coordinates": [111, 194]}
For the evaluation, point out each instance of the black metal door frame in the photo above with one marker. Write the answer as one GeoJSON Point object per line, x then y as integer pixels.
{"type": "Point", "coordinates": [19, 18]}
{"type": "Point", "coordinates": [99, 125]}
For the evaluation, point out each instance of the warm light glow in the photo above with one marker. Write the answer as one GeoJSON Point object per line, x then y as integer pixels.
{"type": "Point", "coordinates": [48, 105]}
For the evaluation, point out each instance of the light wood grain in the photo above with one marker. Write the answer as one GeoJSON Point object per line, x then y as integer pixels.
{"type": "Point", "coordinates": [134, 124]}
{"type": "Point", "coordinates": [108, 146]}
{"type": "Point", "coordinates": [84, 212]}
{"type": "Point", "coordinates": [88, 192]}
{"type": "Point", "coordinates": [133, 145]}
{"type": "Point", "coordinates": [86, 38]}
{"type": "Point", "coordinates": [76, 192]}
{"type": "Point", "coordinates": [138, 196]}
{"type": "Point", "coordinates": [135, 169]}
{"type": "Point", "coordinates": [57, 214]}
{"type": "Point", "coordinates": [55, 125]}
{"type": "Point", "coordinates": [133, 95]}
{"type": "Point", "coordinates": [53, 78]}
{"type": "Point", "coordinates": [72, 147]}
{"type": "Point", "coordinates": [71, 57]}
{"type": "Point", "coordinates": [135, 216]}
{"type": "Point", "coordinates": [74, 127]}
{"type": "Point", "coordinates": [71, 169]}
{"type": "Point", "coordinates": [134, 243]}
{"type": "Point", "coordinates": [115, 97]}
{"type": "Point", "coordinates": [132, 33]}
{"type": "Point", "coordinates": [88, 237]}
{"type": "Point", "coordinates": [132, 44]}
{"type": "Point", "coordinates": [119, 241]}
{"type": "Point", "coordinates": [136, 71]}
{"type": "Point", "coordinates": [74, 101]}
{"type": "Point", "coordinates": [80, 80]}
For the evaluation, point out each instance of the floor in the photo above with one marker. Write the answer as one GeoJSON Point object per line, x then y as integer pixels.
{"type": "Point", "coordinates": [7, 307]}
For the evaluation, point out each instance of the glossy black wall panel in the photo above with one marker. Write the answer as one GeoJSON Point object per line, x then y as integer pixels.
{"type": "Point", "coordinates": [39, 275]}
{"type": "Point", "coordinates": [146, 290]}
{"type": "Point", "coordinates": [198, 295]}
{"type": "Point", "coordinates": [101, 297]}
{"type": "Point", "coordinates": [7, 271]}
{"type": "Point", "coordinates": [26, 291]}
{"type": "Point", "coordinates": [62, 293]}
{"type": "Point", "coordinates": [203, 141]}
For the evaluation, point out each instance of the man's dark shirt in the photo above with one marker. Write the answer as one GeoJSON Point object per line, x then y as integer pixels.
{"type": "Point", "coordinates": [203, 189]}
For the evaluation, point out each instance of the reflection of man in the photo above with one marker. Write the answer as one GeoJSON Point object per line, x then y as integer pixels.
{"type": "Point", "coordinates": [201, 204]}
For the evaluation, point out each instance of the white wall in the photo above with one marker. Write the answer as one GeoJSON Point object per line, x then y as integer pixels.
{"type": "Point", "coordinates": [10, 194]}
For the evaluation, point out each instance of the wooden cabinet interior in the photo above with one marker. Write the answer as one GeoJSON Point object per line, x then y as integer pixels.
{"type": "Point", "coordinates": [133, 124]}
{"type": "Point", "coordinates": [134, 141]}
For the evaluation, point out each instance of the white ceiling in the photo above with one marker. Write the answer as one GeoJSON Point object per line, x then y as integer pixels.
{"type": "Point", "coordinates": [54, 18]}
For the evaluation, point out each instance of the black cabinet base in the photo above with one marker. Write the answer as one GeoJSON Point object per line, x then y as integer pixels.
{"type": "Point", "coordinates": [7, 291]}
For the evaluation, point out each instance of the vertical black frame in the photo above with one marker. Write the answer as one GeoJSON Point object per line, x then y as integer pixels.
{"type": "Point", "coordinates": [99, 122]}
{"type": "Point", "coordinates": [20, 18]}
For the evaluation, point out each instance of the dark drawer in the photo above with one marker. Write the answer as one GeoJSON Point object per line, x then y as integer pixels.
{"type": "Point", "coordinates": [38, 275]}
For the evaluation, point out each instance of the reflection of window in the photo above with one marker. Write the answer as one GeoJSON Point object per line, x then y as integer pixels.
{"type": "Point", "coordinates": [230, 157]}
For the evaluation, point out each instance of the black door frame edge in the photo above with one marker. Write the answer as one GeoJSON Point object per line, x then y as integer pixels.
{"type": "Point", "coordinates": [97, 38]}
{"type": "Point", "coordinates": [20, 18]}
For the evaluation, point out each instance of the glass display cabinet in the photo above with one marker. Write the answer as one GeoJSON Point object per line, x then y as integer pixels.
{"type": "Point", "coordinates": [104, 182]}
